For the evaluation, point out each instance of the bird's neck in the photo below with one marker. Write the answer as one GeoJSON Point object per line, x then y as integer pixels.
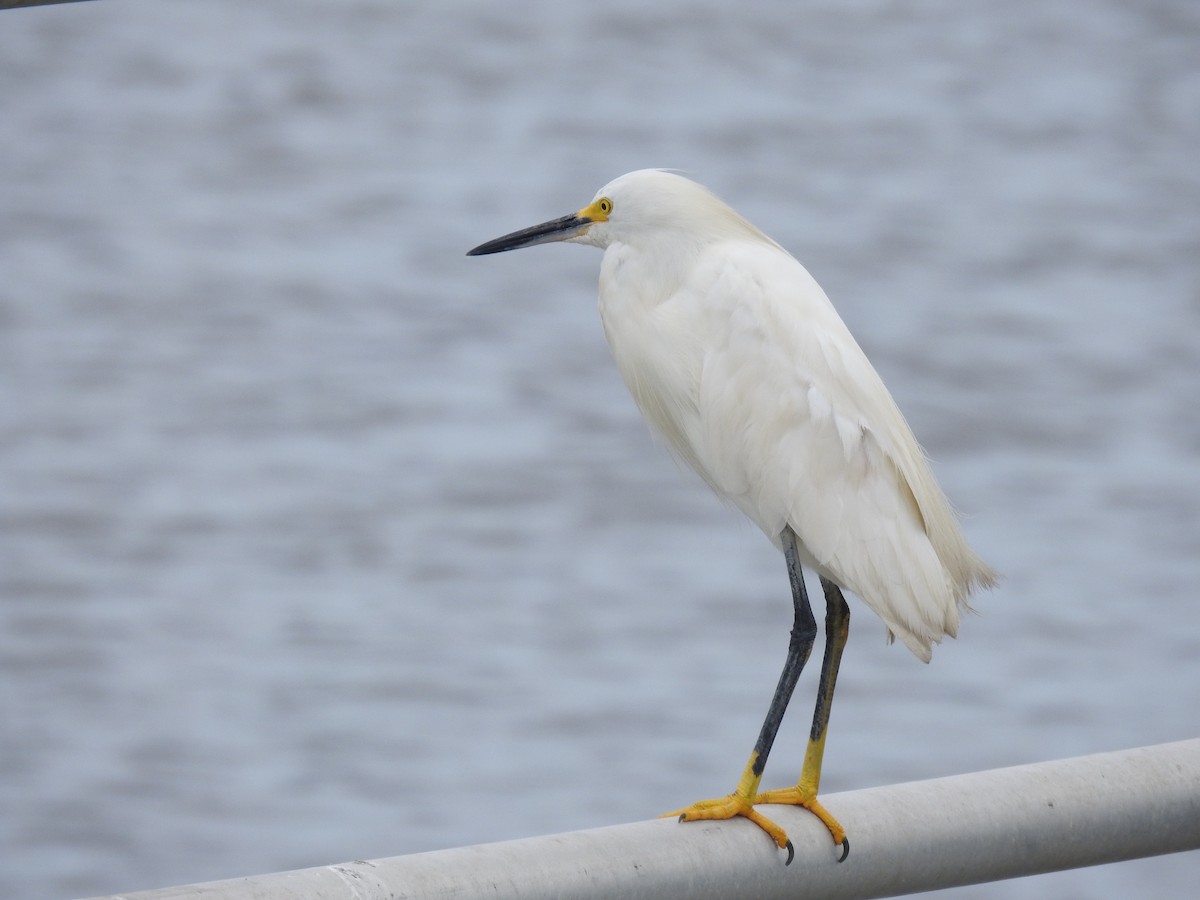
{"type": "Point", "coordinates": [649, 274]}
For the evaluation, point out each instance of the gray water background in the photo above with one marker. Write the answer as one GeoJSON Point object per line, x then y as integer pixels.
{"type": "Point", "coordinates": [320, 541]}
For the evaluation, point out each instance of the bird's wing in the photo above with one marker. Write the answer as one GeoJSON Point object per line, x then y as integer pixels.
{"type": "Point", "coordinates": [795, 427]}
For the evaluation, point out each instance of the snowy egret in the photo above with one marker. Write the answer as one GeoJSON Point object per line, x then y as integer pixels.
{"type": "Point", "coordinates": [737, 358]}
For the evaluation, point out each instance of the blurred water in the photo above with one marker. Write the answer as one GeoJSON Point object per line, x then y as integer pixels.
{"type": "Point", "coordinates": [320, 541]}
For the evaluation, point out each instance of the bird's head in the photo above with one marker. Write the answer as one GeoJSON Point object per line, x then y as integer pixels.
{"type": "Point", "coordinates": [637, 206]}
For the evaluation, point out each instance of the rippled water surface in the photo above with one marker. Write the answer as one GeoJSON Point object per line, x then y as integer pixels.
{"type": "Point", "coordinates": [320, 541]}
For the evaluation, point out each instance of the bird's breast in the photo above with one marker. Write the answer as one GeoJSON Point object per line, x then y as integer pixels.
{"type": "Point", "coordinates": [656, 335]}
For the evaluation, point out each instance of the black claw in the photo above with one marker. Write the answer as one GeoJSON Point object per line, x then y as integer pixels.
{"type": "Point", "coordinates": [683, 817]}
{"type": "Point", "coordinates": [791, 853]}
{"type": "Point", "coordinates": [845, 849]}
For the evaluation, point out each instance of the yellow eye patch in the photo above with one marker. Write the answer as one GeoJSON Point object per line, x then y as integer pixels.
{"type": "Point", "coordinates": [597, 211]}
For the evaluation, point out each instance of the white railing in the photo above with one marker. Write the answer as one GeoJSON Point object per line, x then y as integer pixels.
{"type": "Point", "coordinates": [17, 4]}
{"type": "Point", "coordinates": [905, 838]}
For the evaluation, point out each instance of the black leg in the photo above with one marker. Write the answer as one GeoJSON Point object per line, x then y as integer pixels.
{"type": "Point", "coordinates": [804, 634]}
{"type": "Point", "coordinates": [837, 632]}
{"type": "Point", "coordinates": [741, 801]}
{"type": "Point", "coordinates": [837, 629]}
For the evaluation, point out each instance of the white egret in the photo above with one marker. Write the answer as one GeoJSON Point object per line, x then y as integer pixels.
{"type": "Point", "coordinates": [737, 358]}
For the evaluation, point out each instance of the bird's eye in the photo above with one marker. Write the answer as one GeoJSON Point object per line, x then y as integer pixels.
{"type": "Point", "coordinates": [605, 205]}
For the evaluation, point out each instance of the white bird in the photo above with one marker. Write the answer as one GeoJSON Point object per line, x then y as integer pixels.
{"type": "Point", "coordinates": [737, 358]}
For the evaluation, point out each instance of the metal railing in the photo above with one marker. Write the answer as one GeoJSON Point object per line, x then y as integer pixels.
{"type": "Point", "coordinates": [919, 836]}
{"type": "Point", "coordinates": [18, 4]}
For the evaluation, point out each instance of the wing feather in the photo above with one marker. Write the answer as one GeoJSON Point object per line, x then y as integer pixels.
{"type": "Point", "coordinates": [795, 427]}
{"type": "Point", "coordinates": [752, 378]}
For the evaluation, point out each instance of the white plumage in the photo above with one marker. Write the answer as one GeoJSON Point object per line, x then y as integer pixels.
{"type": "Point", "coordinates": [737, 358]}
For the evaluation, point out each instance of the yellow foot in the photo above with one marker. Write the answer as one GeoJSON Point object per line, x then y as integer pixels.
{"type": "Point", "coordinates": [727, 808]}
{"type": "Point", "coordinates": [797, 796]}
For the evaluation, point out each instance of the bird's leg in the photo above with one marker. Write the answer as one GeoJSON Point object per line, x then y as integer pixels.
{"type": "Point", "coordinates": [837, 630]}
{"type": "Point", "coordinates": [741, 801]}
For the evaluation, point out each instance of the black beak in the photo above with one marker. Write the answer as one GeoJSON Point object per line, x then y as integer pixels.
{"type": "Point", "coordinates": [555, 230]}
